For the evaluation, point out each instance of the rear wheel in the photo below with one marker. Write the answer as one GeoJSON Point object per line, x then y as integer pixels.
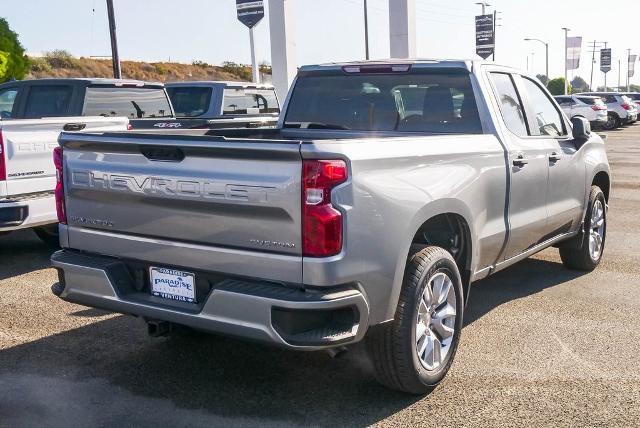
{"type": "Point", "coordinates": [48, 234]}
{"type": "Point", "coordinates": [585, 251]}
{"type": "Point", "coordinates": [414, 352]}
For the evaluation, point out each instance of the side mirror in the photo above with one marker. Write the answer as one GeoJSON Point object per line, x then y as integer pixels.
{"type": "Point", "coordinates": [581, 128]}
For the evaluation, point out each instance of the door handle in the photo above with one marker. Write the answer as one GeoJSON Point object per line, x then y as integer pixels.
{"type": "Point", "coordinates": [74, 126]}
{"type": "Point", "coordinates": [520, 161]}
{"type": "Point", "coordinates": [554, 157]}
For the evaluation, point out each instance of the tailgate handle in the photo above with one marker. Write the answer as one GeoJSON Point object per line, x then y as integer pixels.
{"type": "Point", "coordinates": [74, 126]}
{"type": "Point", "coordinates": [162, 154]}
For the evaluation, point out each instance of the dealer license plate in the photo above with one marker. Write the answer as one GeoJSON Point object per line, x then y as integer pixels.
{"type": "Point", "coordinates": [173, 284]}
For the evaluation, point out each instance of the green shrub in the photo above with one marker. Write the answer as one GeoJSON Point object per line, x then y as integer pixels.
{"type": "Point", "coordinates": [40, 65]}
{"type": "Point", "coordinates": [15, 62]}
{"type": "Point", "coordinates": [241, 71]}
{"type": "Point", "coordinates": [556, 86]}
{"type": "Point", "coordinates": [60, 58]}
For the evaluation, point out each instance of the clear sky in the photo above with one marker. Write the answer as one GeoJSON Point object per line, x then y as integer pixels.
{"type": "Point", "coordinates": [327, 30]}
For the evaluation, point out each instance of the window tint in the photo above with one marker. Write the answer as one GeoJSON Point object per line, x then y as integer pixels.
{"type": "Point", "coordinates": [249, 101]}
{"type": "Point", "coordinates": [428, 103]}
{"type": "Point", "coordinates": [134, 103]}
{"type": "Point", "coordinates": [510, 105]}
{"type": "Point", "coordinates": [7, 101]}
{"type": "Point", "coordinates": [548, 119]}
{"type": "Point", "coordinates": [565, 101]}
{"type": "Point", "coordinates": [587, 100]}
{"type": "Point", "coordinates": [48, 101]}
{"type": "Point", "coordinates": [190, 101]}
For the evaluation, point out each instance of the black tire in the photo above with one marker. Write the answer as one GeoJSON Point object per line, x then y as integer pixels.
{"type": "Point", "coordinates": [49, 235]}
{"type": "Point", "coordinates": [392, 346]}
{"type": "Point", "coordinates": [613, 122]}
{"type": "Point", "coordinates": [576, 254]}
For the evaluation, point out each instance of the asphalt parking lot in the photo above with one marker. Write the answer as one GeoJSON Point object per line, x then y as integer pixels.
{"type": "Point", "coordinates": [542, 346]}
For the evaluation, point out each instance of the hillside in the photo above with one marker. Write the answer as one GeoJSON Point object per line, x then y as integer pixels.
{"type": "Point", "coordinates": [62, 64]}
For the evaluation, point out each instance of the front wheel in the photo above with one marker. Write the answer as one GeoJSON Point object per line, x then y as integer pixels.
{"type": "Point", "coordinates": [414, 352]}
{"type": "Point", "coordinates": [584, 252]}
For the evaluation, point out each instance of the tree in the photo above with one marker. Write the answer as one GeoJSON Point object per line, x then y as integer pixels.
{"type": "Point", "coordinates": [16, 62]}
{"type": "Point", "coordinates": [542, 78]}
{"type": "Point", "coordinates": [556, 86]}
{"type": "Point", "coordinates": [579, 84]}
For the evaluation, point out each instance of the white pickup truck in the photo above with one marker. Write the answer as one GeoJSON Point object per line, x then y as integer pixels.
{"type": "Point", "coordinates": [32, 115]}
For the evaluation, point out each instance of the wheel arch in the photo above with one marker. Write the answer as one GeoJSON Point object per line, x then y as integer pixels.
{"type": "Point", "coordinates": [446, 211]}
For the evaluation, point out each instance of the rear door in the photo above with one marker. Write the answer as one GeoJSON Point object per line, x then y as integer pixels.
{"type": "Point", "coordinates": [528, 167]}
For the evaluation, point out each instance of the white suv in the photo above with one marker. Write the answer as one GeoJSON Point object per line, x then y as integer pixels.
{"type": "Point", "coordinates": [591, 108]}
{"type": "Point", "coordinates": [622, 109]}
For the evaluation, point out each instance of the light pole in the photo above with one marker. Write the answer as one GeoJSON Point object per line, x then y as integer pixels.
{"type": "Point", "coordinates": [484, 5]}
{"type": "Point", "coordinates": [366, 30]}
{"type": "Point", "coordinates": [546, 46]}
{"type": "Point", "coordinates": [628, 67]}
{"type": "Point", "coordinates": [566, 75]}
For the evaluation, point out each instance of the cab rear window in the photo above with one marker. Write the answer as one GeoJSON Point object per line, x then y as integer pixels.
{"type": "Point", "coordinates": [190, 101]}
{"type": "Point", "coordinates": [133, 103]}
{"type": "Point", "coordinates": [245, 101]}
{"type": "Point", "coordinates": [421, 102]}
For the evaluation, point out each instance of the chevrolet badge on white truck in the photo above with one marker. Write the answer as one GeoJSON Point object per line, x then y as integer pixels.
{"type": "Point", "coordinates": [385, 191]}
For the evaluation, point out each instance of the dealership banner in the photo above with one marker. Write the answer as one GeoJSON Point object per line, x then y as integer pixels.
{"type": "Point", "coordinates": [574, 46]}
{"type": "Point", "coordinates": [485, 37]}
{"type": "Point", "coordinates": [250, 12]}
{"type": "Point", "coordinates": [632, 64]}
{"type": "Point", "coordinates": [605, 60]}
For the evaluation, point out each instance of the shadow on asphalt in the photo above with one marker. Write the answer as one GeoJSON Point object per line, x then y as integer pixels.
{"type": "Point", "coordinates": [22, 252]}
{"type": "Point", "coordinates": [234, 379]}
{"type": "Point", "coordinates": [527, 277]}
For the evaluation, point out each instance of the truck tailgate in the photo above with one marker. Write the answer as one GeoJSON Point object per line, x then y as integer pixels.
{"type": "Point", "coordinates": [197, 190]}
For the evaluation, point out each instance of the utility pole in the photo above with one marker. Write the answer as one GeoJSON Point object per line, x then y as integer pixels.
{"type": "Point", "coordinates": [115, 58]}
{"type": "Point", "coordinates": [566, 75]}
{"type": "Point", "coordinates": [628, 67]}
{"type": "Point", "coordinates": [366, 29]}
{"type": "Point", "coordinates": [605, 74]}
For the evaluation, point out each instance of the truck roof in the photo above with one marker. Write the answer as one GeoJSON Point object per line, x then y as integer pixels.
{"type": "Point", "coordinates": [87, 80]}
{"type": "Point", "coordinates": [224, 83]}
{"type": "Point", "coordinates": [420, 63]}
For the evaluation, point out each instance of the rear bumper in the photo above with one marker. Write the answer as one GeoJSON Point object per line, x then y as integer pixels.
{"type": "Point", "coordinates": [27, 211]}
{"type": "Point", "coordinates": [262, 311]}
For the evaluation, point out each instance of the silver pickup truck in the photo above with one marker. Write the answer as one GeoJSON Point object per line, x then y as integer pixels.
{"type": "Point", "coordinates": [385, 191]}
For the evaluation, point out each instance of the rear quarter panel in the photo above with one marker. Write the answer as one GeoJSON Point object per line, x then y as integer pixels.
{"type": "Point", "coordinates": [395, 185]}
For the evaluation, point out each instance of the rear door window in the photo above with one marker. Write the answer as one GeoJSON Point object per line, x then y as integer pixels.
{"type": "Point", "coordinates": [510, 104]}
{"type": "Point", "coordinates": [246, 101]}
{"type": "Point", "coordinates": [48, 101]}
{"type": "Point", "coordinates": [133, 103]}
{"type": "Point", "coordinates": [548, 120]}
{"type": "Point", "coordinates": [190, 101]}
{"type": "Point", "coordinates": [7, 102]}
{"type": "Point", "coordinates": [442, 103]}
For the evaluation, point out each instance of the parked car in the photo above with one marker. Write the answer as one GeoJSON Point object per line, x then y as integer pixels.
{"type": "Point", "coordinates": [635, 97]}
{"type": "Point", "coordinates": [32, 115]}
{"type": "Point", "coordinates": [591, 108]}
{"type": "Point", "coordinates": [385, 191]}
{"type": "Point", "coordinates": [225, 104]}
{"type": "Point", "coordinates": [621, 110]}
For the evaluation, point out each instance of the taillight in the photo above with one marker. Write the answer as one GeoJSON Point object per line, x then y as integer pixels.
{"type": "Point", "coordinates": [598, 107]}
{"type": "Point", "coordinates": [3, 164]}
{"type": "Point", "coordinates": [59, 192]}
{"type": "Point", "coordinates": [129, 127]}
{"type": "Point", "coordinates": [627, 106]}
{"type": "Point", "coordinates": [321, 222]}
